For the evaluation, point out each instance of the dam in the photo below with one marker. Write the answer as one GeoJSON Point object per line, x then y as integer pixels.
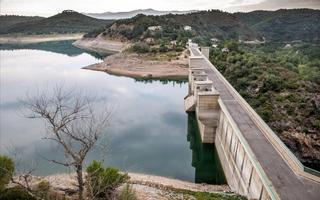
{"type": "Point", "coordinates": [256, 163]}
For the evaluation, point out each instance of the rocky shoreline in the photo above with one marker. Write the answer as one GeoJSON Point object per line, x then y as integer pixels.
{"type": "Point", "coordinates": [125, 63]}
{"type": "Point", "coordinates": [145, 186]}
{"type": "Point", "coordinates": [101, 45]}
{"type": "Point", "coordinates": [136, 66]}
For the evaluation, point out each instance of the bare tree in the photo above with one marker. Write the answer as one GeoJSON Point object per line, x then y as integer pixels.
{"type": "Point", "coordinates": [72, 123]}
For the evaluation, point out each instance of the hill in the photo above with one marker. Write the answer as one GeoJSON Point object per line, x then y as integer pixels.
{"type": "Point", "coordinates": [275, 26]}
{"type": "Point", "coordinates": [8, 21]}
{"type": "Point", "coordinates": [66, 22]}
{"type": "Point", "coordinates": [205, 25]}
{"type": "Point", "coordinates": [130, 14]}
{"type": "Point", "coordinates": [284, 25]}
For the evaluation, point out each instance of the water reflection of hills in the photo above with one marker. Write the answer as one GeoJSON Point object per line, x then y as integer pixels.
{"type": "Point", "coordinates": [61, 47]}
{"type": "Point", "coordinates": [205, 158]}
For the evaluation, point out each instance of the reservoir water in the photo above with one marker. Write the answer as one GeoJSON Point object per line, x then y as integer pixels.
{"type": "Point", "coordinates": [149, 132]}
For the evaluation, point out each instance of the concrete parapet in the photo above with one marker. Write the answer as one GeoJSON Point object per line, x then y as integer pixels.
{"type": "Point", "coordinates": [205, 51]}
{"type": "Point", "coordinates": [207, 101]}
{"type": "Point", "coordinates": [200, 77]}
{"type": "Point", "coordinates": [244, 174]}
{"type": "Point", "coordinates": [196, 62]}
{"type": "Point", "coordinates": [202, 86]}
{"type": "Point", "coordinates": [196, 71]}
{"type": "Point", "coordinates": [208, 111]}
{"type": "Point", "coordinates": [203, 98]}
{"type": "Point", "coordinates": [196, 74]}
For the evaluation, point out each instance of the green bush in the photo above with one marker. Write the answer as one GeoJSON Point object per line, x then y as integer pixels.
{"type": "Point", "coordinates": [43, 189]}
{"type": "Point", "coordinates": [163, 48]}
{"type": "Point", "coordinates": [127, 193]}
{"type": "Point", "coordinates": [141, 47]}
{"type": "Point", "coordinates": [101, 182]}
{"type": "Point", "coordinates": [6, 170]}
{"type": "Point", "coordinates": [15, 193]}
{"type": "Point", "coordinates": [232, 45]}
{"type": "Point", "coordinates": [272, 82]}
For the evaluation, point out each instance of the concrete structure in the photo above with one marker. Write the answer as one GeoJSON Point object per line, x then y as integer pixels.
{"type": "Point", "coordinates": [187, 28]}
{"type": "Point", "coordinates": [214, 40]}
{"type": "Point", "coordinates": [205, 51]}
{"type": "Point", "coordinates": [225, 50]}
{"type": "Point", "coordinates": [255, 161]}
{"type": "Point", "coordinates": [154, 28]}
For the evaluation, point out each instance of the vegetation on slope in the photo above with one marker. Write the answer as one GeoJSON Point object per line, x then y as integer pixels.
{"type": "Point", "coordinates": [277, 26]}
{"type": "Point", "coordinates": [206, 24]}
{"type": "Point", "coordinates": [283, 86]}
{"type": "Point", "coordinates": [65, 22]}
{"type": "Point", "coordinates": [284, 25]}
{"type": "Point", "coordinates": [8, 21]}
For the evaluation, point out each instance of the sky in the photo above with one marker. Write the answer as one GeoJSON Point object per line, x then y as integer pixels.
{"type": "Point", "coordinates": [52, 7]}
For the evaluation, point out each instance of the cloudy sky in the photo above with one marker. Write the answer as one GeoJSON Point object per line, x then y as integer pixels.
{"type": "Point", "coordinates": [51, 7]}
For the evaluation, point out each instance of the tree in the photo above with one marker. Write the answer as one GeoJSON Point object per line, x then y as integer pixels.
{"type": "Point", "coordinates": [141, 47]}
{"type": "Point", "coordinates": [72, 123]}
{"type": "Point", "coordinates": [232, 45]}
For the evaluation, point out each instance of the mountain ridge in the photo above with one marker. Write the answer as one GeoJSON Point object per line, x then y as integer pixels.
{"type": "Point", "coordinates": [132, 13]}
{"type": "Point", "coordinates": [67, 21]}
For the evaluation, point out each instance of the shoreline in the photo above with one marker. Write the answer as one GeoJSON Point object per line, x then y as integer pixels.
{"type": "Point", "coordinates": [29, 39]}
{"type": "Point", "coordinates": [137, 66]}
{"type": "Point", "coordinates": [164, 182]}
{"type": "Point", "coordinates": [144, 185]}
{"type": "Point", "coordinates": [101, 45]}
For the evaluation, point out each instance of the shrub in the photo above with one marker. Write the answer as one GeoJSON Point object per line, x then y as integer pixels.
{"type": "Point", "coordinates": [101, 182]}
{"type": "Point", "coordinates": [43, 189]}
{"type": "Point", "coordinates": [141, 47]}
{"type": "Point", "coordinates": [163, 48]}
{"type": "Point", "coordinates": [127, 193]}
{"type": "Point", "coordinates": [6, 170]}
{"type": "Point", "coordinates": [273, 83]}
{"type": "Point", "coordinates": [179, 48]}
{"type": "Point", "coordinates": [15, 193]}
{"type": "Point", "coordinates": [232, 45]}
{"type": "Point", "coordinates": [265, 112]}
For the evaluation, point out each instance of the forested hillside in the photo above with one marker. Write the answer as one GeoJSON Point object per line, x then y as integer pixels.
{"type": "Point", "coordinates": [273, 26]}
{"type": "Point", "coordinates": [9, 21]}
{"type": "Point", "coordinates": [65, 22]}
{"type": "Point", "coordinates": [205, 25]}
{"type": "Point", "coordinates": [284, 25]}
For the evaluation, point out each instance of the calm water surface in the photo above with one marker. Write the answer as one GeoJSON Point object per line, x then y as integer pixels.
{"type": "Point", "coordinates": [149, 133]}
